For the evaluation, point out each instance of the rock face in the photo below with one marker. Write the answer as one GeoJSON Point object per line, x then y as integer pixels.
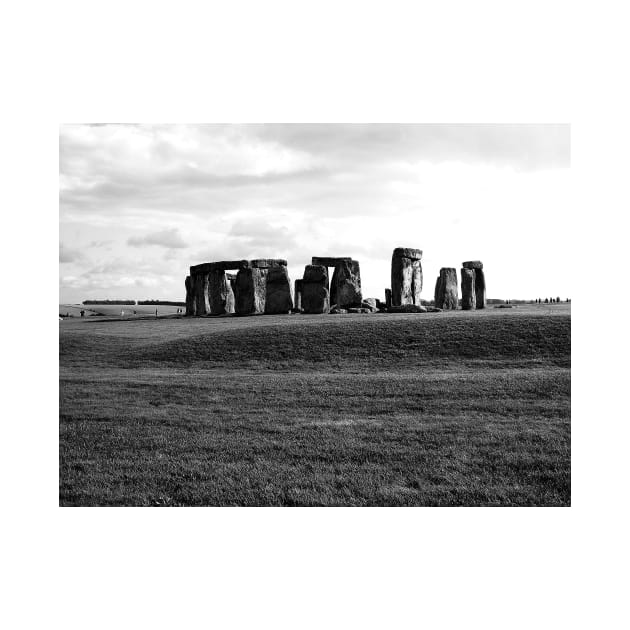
{"type": "Point", "coordinates": [446, 295]}
{"type": "Point", "coordinates": [345, 286]}
{"type": "Point", "coordinates": [250, 291]}
{"type": "Point", "coordinates": [221, 296]}
{"type": "Point", "coordinates": [315, 293]}
{"type": "Point", "coordinates": [278, 298]}
{"type": "Point", "coordinates": [190, 299]}
{"type": "Point", "coordinates": [469, 299]}
{"type": "Point", "coordinates": [298, 295]}
{"type": "Point", "coordinates": [480, 281]}
{"type": "Point", "coordinates": [199, 281]}
{"type": "Point", "coordinates": [388, 298]}
{"type": "Point", "coordinates": [406, 276]}
{"type": "Point", "coordinates": [480, 289]}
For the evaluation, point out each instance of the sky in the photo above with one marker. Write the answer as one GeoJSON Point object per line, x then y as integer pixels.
{"type": "Point", "coordinates": [139, 204]}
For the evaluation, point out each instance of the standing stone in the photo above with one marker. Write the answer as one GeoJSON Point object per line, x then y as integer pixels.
{"type": "Point", "coordinates": [388, 298]}
{"type": "Point", "coordinates": [298, 294]}
{"type": "Point", "coordinates": [345, 285]}
{"type": "Point", "coordinates": [278, 298]}
{"type": "Point", "coordinates": [468, 289]}
{"type": "Point", "coordinates": [315, 293]}
{"type": "Point", "coordinates": [250, 291]}
{"type": "Point", "coordinates": [480, 281]}
{"type": "Point", "coordinates": [446, 296]}
{"type": "Point", "coordinates": [200, 290]}
{"type": "Point", "coordinates": [220, 296]}
{"type": "Point", "coordinates": [406, 276]}
{"type": "Point", "coordinates": [190, 298]}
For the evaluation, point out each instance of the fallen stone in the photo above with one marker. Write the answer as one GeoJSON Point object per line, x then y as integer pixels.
{"type": "Point", "coordinates": [468, 289]}
{"type": "Point", "coordinates": [370, 304]}
{"type": "Point", "coordinates": [446, 294]}
{"type": "Point", "coordinates": [407, 308]}
{"type": "Point", "coordinates": [278, 298]}
{"type": "Point", "coordinates": [433, 309]}
{"type": "Point", "coordinates": [338, 311]}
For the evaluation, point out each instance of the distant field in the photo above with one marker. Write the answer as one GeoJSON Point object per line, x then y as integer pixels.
{"type": "Point", "coordinates": [114, 310]}
{"type": "Point", "coordinates": [462, 408]}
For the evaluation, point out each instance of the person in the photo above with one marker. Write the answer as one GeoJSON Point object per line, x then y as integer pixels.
{"type": "Point", "coordinates": [82, 313]}
{"type": "Point", "coordinates": [134, 312]}
{"type": "Point", "coordinates": [156, 313]}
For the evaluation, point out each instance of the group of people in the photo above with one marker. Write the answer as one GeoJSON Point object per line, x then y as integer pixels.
{"type": "Point", "coordinates": [550, 300]}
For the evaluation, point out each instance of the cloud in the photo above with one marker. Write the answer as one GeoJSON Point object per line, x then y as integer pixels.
{"type": "Point", "coordinates": [166, 238]}
{"type": "Point", "coordinates": [70, 255]}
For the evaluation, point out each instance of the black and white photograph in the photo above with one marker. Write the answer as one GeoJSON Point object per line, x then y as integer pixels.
{"type": "Point", "coordinates": [314, 315]}
{"type": "Point", "coordinates": [339, 338]}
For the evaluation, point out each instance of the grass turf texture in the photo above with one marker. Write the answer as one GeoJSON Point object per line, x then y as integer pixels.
{"type": "Point", "coordinates": [463, 408]}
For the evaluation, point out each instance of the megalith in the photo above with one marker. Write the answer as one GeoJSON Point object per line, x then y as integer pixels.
{"type": "Point", "coordinates": [298, 295]}
{"type": "Point", "coordinates": [250, 291]}
{"type": "Point", "coordinates": [388, 298]}
{"type": "Point", "coordinates": [278, 298]}
{"type": "Point", "coordinates": [199, 282]}
{"type": "Point", "coordinates": [446, 295]}
{"type": "Point", "coordinates": [345, 285]}
{"type": "Point", "coordinates": [406, 276]}
{"type": "Point", "coordinates": [480, 281]}
{"type": "Point", "coordinates": [315, 293]}
{"type": "Point", "coordinates": [190, 299]}
{"type": "Point", "coordinates": [468, 289]}
{"type": "Point", "coordinates": [221, 296]}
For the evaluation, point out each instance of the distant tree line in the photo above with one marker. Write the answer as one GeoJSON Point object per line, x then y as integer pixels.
{"type": "Point", "coordinates": [108, 302]}
{"type": "Point", "coordinates": [160, 302]}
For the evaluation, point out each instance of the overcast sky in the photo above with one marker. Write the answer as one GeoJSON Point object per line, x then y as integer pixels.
{"type": "Point", "coordinates": [139, 204]}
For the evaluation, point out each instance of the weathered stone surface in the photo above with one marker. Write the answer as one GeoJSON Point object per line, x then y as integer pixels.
{"type": "Point", "coordinates": [200, 292]}
{"type": "Point", "coordinates": [329, 261]}
{"type": "Point", "coordinates": [345, 285]}
{"type": "Point", "coordinates": [433, 309]}
{"type": "Point", "coordinates": [278, 298]}
{"type": "Point", "coordinates": [408, 252]}
{"type": "Point", "coordinates": [314, 273]}
{"type": "Point", "coordinates": [472, 264]}
{"type": "Point", "coordinates": [468, 289]}
{"type": "Point", "coordinates": [298, 295]}
{"type": "Point", "coordinates": [480, 289]}
{"type": "Point", "coordinates": [190, 298]}
{"type": "Point", "coordinates": [315, 293]}
{"type": "Point", "coordinates": [371, 303]}
{"type": "Point", "coordinates": [221, 296]}
{"type": "Point", "coordinates": [406, 278]}
{"type": "Point", "coordinates": [446, 294]}
{"type": "Point", "coordinates": [224, 265]}
{"type": "Point", "coordinates": [338, 311]}
{"type": "Point", "coordinates": [264, 263]}
{"type": "Point", "coordinates": [250, 291]}
{"type": "Point", "coordinates": [407, 308]}
{"type": "Point", "coordinates": [197, 269]}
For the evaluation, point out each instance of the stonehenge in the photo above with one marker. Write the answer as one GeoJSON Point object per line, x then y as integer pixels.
{"type": "Point", "coordinates": [469, 301]}
{"type": "Point", "coordinates": [345, 284]}
{"type": "Point", "coordinates": [212, 291]}
{"type": "Point", "coordinates": [315, 292]}
{"type": "Point", "coordinates": [479, 283]}
{"type": "Point", "coordinates": [406, 276]}
{"type": "Point", "coordinates": [262, 286]}
{"type": "Point", "coordinates": [446, 295]}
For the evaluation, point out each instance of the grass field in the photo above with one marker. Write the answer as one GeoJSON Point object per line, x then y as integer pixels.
{"type": "Point", "coordinates": [461, 408]}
